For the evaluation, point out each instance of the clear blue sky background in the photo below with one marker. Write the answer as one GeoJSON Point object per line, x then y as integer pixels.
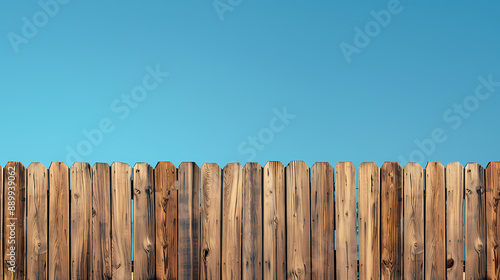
{"type": "Point", "coordinates": [229, 72]}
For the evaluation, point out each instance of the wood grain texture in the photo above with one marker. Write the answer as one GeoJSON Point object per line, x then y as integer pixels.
{"type": "Point", "coordinates": [454, 220]}
{"type": "Point", "coordinates": [475, 222]}
{"type": "Point", "coordinates": [298, 221]}
{"type": "Point", "coordinates": [435, 221]}
{"type": "Point", "coordinates": [211, 215]}
{"type": "Point", "coordinates": [189, 221]}
{"type": "Point", "coordinates": [166, 220]}
{"type": "Point", "coordinates": [1, 217]}
{"type": "Point", "coordinates": [274, 221]}
{"type": "Point", "coordinates": [14, 219]}
{"type": "Point", "coordinates": [391, 177]}
{"type": "Point", "coordinates": [121, 224]}
{"type": "Point", "coordinates": [493, 220]}
{"type": "Point", "coordinates": [369, 221]}
{"type": "Point", "coordinates": [59, 257]}
{"type": "Point", "coordinates": [345, 222]}
{"type": "Point", "coordinates": [252, 222]}
{"type": "Point", "coordinates": [144, 222]}
{"type": "Point", "coordinates": [414, 217]}
{"type": "Point", "coordinates": [37, 222]}
{"type": "Point", "coordinates": [322, 222]}
{"type": "Point", "coordinates": [101, 221]}
{"type": "Point", "coordinates": [232, 213]}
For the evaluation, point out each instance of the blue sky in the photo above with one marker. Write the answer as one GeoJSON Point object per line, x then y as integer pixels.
{"type": "Point", "coordinates": [242, 81]}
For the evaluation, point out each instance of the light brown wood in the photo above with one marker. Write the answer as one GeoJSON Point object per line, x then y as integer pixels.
{"type": "Point", "coordinates": [232, 213]}
{"type": "Point", "coordinates": [144, 222]}
{"type": "Point", "coordinates": [435, 207]}
{"type": "Point", "coordinates": [37, 221]}
{"type": "Point", "coordinates": [369, 221]}
{"type": "Point", "coordinates": [454, 220]}
{"type": "Point", "coordinates": [274, 221]}
{"type": "Point", "coordinates": [345, 223]}
{"type": "Point", "coordinates": [59, 258]}
{"type": "Point", "coordinates": [475, 222]}
{"type": "Point", "coordinates": [166, 220]}
{"type": "Point", "coordinates": [391, 234]}
{"type": "Point", "coordinates": [492, 220]}
{"type": "Point", "coordinates": [101, 221]}
{"type": "Point", "coordinates": [121, 212]}
{"type": "Point", "coordinates": [322, 222]}
{"type": "Point", "coordinates": [298, 221]}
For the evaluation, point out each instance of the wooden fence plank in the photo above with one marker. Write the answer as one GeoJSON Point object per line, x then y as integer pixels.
{"type": "Point", "coordinates": [189, 221]}
{"type": "Point", "coordinates": [435, 221]}
{"type": "Point", "coordinates": [144, 222]}
{"type": "Point", "coordinates": [166, 220]}
{"type": "Point", "coordinates": [298, 221]}
{"type": "Point", "coordinates": [475, 222]}
{"type": "Point", "coordinates": [391, 177]}
{"type": "Point", "coordinates": [232, 213]}
{"type": "Point", "coordinates": [59, 258]}
{"type": "Point", "coordinates": [81, 221]}
{"type": "Point", "coordinates": [369, 221]}
{"type": "Point", "coordinates": [493, 220]}
{"type": "Point", "coordinates": [252, 222]}
{"type": "Point", "coordinates": [37, 221]}
{"type": "Point", "coordinates": [322, 222]}
{"type": "Point", "coordinates": [454, 219]}
{"type": "Point", "coordinates": [414, 217]}
{"type": "Point", "coordinates": [101, 221]}
{"type": "Point", "coordinates": [274, 221]}
{"type": "Point", "coordinates": [121, 213]}
{"type": "Point", "coordinates": [210, 257]}
{"type": "Point", "coordinates": [1, 217]}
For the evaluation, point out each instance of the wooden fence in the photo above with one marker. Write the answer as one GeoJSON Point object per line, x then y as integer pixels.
{"type": "Point", "coordinates": [250, 222]}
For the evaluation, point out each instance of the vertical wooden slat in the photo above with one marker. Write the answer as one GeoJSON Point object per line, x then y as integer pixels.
{"type": "Point", "coordinates": [59, 257]}
{"type": "Point", "coordinates": [210, 257]}
{"type": "Point", "coordinates": [1, 218]}
{"type": "Point", "coordinates": [345, 223]}
{"type": "Point", "coordinates": [369, 221]}
{"type": "Point", "coordinates": [391, 177]}
{"type": "Point", "coordinates": [274, 221]}
{"type": "Point", "coordinates": [166, 220]}
{"type": "Point", "coordinates": [121, 212]}
{"type": "Point", "coordinates": [322, 222]}
{"type": "Point", "coordinates": [414, 221]}
{"type": "Point", "coordinates": [454, 219]}
{"type": "Point", "coordinates": [189, 221]}
{"type": "Point", "coordinates": [101, 221]}
{"type": "Point", "coordinates": [37, 221]}
{"type": "Point", "coordinates": [144, 222]}
{"type": "Point", "coordinates": [232, 213]}
{"type": "Point", "coordinates": [435, 239]}
{"type": "Point", "coordinates": [492, 220]}
{"type": "Point", "coordinates": [298, 221]}
{"type": "Point", "coordinates": [475, 222]}
{"type": "Point", "coordinates": [252, 222]}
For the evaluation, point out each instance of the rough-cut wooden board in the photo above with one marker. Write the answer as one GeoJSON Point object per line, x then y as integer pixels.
{"type": "Point", "coordinates": [435, 207]}
{"type": "Point", "coordinates": [211, 192]}
{"type": "Point", "coordinates": [252, 222]}
{"type": "Point", "coordinates": [391, 178]}
{"type": "Point", "coordinates": [121, 214]}
{"type": "Point", "coordinates": [189, 221]}
{"type": "Point", "coordinates": [298, 221]}
{"type": "Point", "coordinates": [59, 258]}
{"type": "Point", "coordinates": [414, 217]}
{"type": "Point", "coordinates": [166, 220]}
{"type": "Point", "coordinates": [345, 222]}
{"type": "Point", "coordinates": [81, 221]}
{"type": "Point", "coordinates": [14, 219]}
{"type": "Point", "coordinates": [101, 221]}
{"type": "Point", "coordinates": [454, 219]}
{"type": "Point", "coordinates": [322, 222]}
{"type": "Point", "coordinates": [37, 222]}
{"type": "Point", "coordinates": [369, 221]}
{"type": "Point", "coordinates": [274, 221]}
{"type": "Point", "coordinates": [232, 213]}
{"type": "Point", "coordinates": [1, 217]}
{"type": "Point", "coordinates": [493, 220]}
{"type": "Point", "coordinates": [475, 222]}
{"type": "Point", "coordinates": [144, 222]}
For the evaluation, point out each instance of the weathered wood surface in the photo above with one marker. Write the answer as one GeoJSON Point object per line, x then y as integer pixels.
{"type": "Point", "coordinates": [493, 220]}
{"type": "Point", "coordinates": [454, 220]}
